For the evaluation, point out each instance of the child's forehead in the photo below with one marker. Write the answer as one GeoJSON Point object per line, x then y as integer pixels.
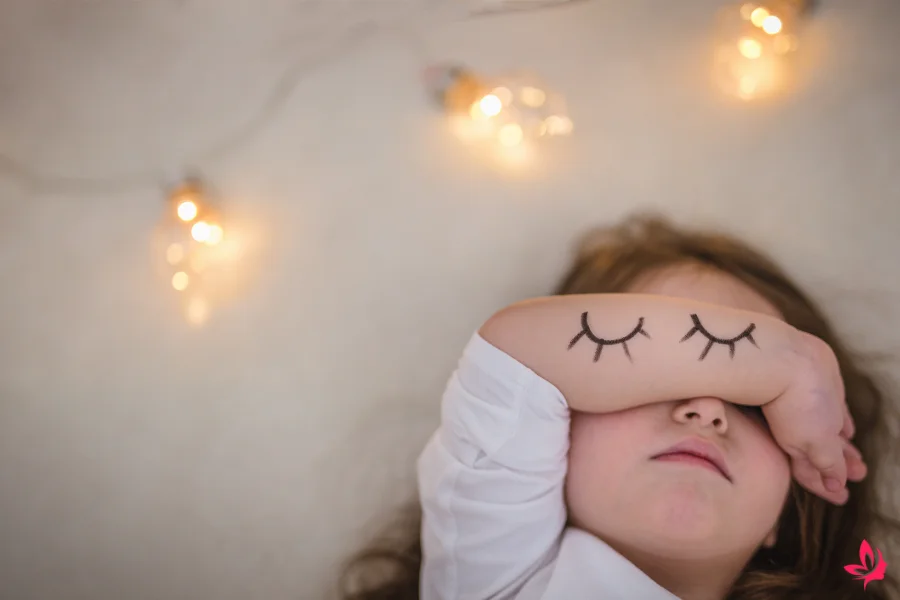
{"type": "Point", "coordinates": [704, 284]}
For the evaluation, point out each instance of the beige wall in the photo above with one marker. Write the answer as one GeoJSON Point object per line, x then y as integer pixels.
{"type": "Point", "coordinates": [142, 459]}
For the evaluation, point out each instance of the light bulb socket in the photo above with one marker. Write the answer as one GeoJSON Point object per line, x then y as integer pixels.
{"type": "Point", "coordinates": [453, 87]}
{"type": "Point", "coordinates": [805, 7]}
{"type": "Point", "coordinates": [191, 185]}
{"type": "Point", "coordinates": [440, 78]}
{"type": "Point", "coordinates": [801, 8]}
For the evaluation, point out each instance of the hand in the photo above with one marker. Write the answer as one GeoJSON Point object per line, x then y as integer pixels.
{"type": "Point", "coordinates": [812, 424]}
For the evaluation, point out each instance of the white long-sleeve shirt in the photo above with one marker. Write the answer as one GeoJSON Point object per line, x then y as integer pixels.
{"type": "Point", "coordinates": [491, 487]}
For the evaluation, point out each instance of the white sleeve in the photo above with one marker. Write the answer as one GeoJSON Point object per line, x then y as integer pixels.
{"type": "Point", "coordinates": [491, 479]}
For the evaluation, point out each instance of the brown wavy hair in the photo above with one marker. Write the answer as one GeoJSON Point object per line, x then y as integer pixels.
{"type": "Point", "coordinates": [815, 538]}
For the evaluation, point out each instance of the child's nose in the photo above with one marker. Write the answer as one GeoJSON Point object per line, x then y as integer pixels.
{"type": "Point", "coordinates": [703, 412]}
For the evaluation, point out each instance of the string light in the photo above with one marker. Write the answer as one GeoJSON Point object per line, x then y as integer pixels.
{"type": "Point", "coordinates": [511, 111]}
{"type": "Point", "coordinates": [198, 254]}
{"type": "Point", "coordinates": [34, 178]}
{"type": "Point", "coordinates": [754, 44]}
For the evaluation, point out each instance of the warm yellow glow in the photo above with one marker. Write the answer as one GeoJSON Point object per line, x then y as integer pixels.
{"type": "Point", "coordinates": [187, 210]}
{"type": "Point", "coordinates": [771, 25]}
{"type": "Point", "coordinates": [747, 11]}
{"type": "Point", "coordinates": [208, 261]}
{"type": "Point", "coordinates": [231, 250]}
{"type": "Point", "coordinates": [500, 116]}
{"type": "Point", "coordinates": [180, 281]}
{"type": "Point", "coordinates": [747, 86]}
{"type": "Point", "coordinates": [174, 254]}
{"type": "Point", "coordinates": [783, 44]}
{"type": "Point", "coordinates": [516, 159]}
{"type": "Point", "coordinates": [751, 80]}
{"type": "Point", "coordinates": [533, 97]}
{"type": "Point", "coordinates": [490, 105]}
{"type": "Point", "coordinates": [750, 48]}
{"type": "Point", "coordinates": [469, 130]}
{"type": "Point", "coordinates": [215, 235]}
{"type": "Point", "coordinates": [201, 231]}
{"type": "Point", "coordinates": [503, 94]}
{"type": "Point", "coordinates": [758, 16]}
{"type": "Point", "coordinates": [556, 125]}
{"type": "Point", "coordinates": [197, 311]}
{"type": "Point", "coordinates": [510, 134]}
{"type": "Point", "coordinates": [198, 263]}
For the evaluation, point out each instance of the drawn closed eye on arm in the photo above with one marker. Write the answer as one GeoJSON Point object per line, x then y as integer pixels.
{"type": "Point", "coordinates": [601, 342]}
{"type": "Point", "coordinates": [713, 339]}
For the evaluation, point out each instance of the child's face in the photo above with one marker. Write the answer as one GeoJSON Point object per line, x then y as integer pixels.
{"type": "Point", "coordinates": [615, 491]}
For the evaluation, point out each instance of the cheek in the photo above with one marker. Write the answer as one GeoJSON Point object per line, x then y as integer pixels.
{"type": "Point", "coordinates": [604, 451]}
{"type": "Point", "coordinates": [767, 468]}
{"type": "Point", "coordinates": [597, 438]}
{"type": "Point", "coordinates": [764, 487]}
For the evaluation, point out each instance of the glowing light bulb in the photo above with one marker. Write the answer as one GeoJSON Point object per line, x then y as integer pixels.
{"type": "Point", "coordinates": [510, 110]}
{"type": "Point", "coordinates": [771, 25]}
{"type": "Point", "coordinates": [201, 231]}
{"type": "Point", "coordinates": [758, 16]}
{"type": "Point", "coordinates": [504, 94]}
{"type": "Point", "coordinates": [754, 43]}
{"type": "Point", "coordinates": [194, 255]}
{"type": "Point", "coordinates": [557, 125]}
{"type": "Point", "coordinates": [187, 210]}
{"type": "Point", "coordinates": [533, 97]}
{"type": "Point", "coordinates": [510, 134]}
{"type": "Point", "coordinates": [215, 235]}
{"type": "Point", "coordinates": [180, 281]}
{"type": "Point", "coordinates": [750, 48]}
{"type": "Point", "coordinates": [491, 105]}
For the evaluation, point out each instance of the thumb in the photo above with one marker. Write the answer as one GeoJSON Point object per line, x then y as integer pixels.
{"type": "Point", "coordinates": [829, 460]}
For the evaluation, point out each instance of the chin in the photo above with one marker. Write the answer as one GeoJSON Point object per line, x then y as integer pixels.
{"type": "Point", "coordinates": [685, 519]}
{"type": "Point", "coordinates": [677, 540]}
{"type": "Point", "coordinates": [680, 544]}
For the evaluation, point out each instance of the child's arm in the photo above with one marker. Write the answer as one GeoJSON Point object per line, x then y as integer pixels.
{"type": "Point", "coordinates": [491, 478]}
{"type": "Point", "coordinates": [664, 348]}
{"type": "Point", "coordinates": [752, 370]}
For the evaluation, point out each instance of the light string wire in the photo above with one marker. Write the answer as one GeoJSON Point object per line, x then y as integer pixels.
{"type": "Point", "coordinates": [34, 179]}
{"type": "Point", "coordinates": [520, 6]}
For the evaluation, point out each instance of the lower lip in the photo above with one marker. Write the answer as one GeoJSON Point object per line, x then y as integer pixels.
{"type": "Point", "coordinates": [690, 459]}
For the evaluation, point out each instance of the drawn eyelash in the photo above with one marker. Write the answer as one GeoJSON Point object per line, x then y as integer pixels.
{"type": "Point", "coordinates": [698, 326]}
{"type": "Point", "coordinates": [586, 331]}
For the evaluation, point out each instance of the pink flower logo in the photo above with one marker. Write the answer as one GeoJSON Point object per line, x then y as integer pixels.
{"type": "Point", "coordinates": [868, 569]}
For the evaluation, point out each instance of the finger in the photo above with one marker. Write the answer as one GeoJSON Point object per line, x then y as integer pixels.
{"type": "Point", "coordinates": [856, 466]}
{"type": "Point", "coordinates": [808, 476]}
{"type": "Point", "coordinates": [848, 430]}
{"type": "Point", "coordinates": [837, 498]}
{"type": "Point", "coordinates": [829, 460]}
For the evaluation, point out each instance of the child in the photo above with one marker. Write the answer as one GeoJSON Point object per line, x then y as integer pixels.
{"type": "Point", "coordinates": [671, 424]}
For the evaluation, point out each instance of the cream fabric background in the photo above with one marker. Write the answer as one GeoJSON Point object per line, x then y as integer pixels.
{"type": "Point", "coordinates": [142, 459]}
